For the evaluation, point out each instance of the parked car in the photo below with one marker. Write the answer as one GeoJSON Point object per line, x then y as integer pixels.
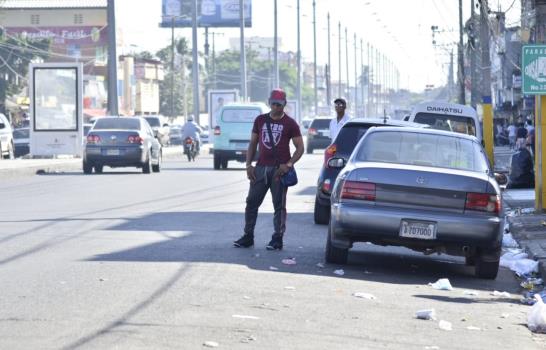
{"type": "Point", "coordinates": [205, 135]}
{"type": "Point", "coordinates": [21, 141]}
{"type": "Point", "coordinates": [232, 132]}
{"type": "Point", "coordinates": [428, 190]}
{"type": "Point", "coordinates": [175, 135]}
{"type": "Point", "coordinates": [318, 134]}
{"type": "Point", "coordinates": [342, 147]}
{"type": "Point", "coordinates": [7, 148]}
{"type": "Point", "coordinates": [121, 142]}
{"type": "Point", "coordinates": [86, 128]}
{"type": "Point", "coordinates": [160, 129]}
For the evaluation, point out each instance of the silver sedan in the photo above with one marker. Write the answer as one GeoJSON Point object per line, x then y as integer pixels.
{"type": "Point", "coordinates": [428, 190]}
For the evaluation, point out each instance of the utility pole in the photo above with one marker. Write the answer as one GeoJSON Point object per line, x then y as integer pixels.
{"type": "Point", "coordinates": [362, 75]}
{"type": "Point", "coordinates": [276, 46]}
{"type": "Point", "coordinates": [472, 46]}
{"type": "Point", "coordinates": [370, 79]}
{"type": "Point", "coordinates": [486, 81]}
{"type": "Point", "coordinates": [195, 64]}
{"type": "Point", "coordinates": [462, 97]}
{"type": "Point", "coordinates": [172, 69]}
{"type": "Point", "coordinates": [339, 53]}
{"type": "Point", "coordinates": [112, 60]}
{"type": "Point", "coordinates": [315, 55]}
{"type": "Point", "coordinates": [450, 77]}
{"type": "Point", "coordinates": [356, 79]}
{"type": "Point", "coordinates": [242, 51]}
{"type": "Point", "coordinates": [540, 116]}
{"type": "Point", "coordinates": [328, 86]}
{"type": "Point", "coordinates": [207, 83]}
{"type": "Point", "coordinates": [347, 63]}
{"type": "Point", "coordinates": [298, 85]}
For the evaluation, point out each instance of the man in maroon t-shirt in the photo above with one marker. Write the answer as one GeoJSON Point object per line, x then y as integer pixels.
{"type": "Point", "coordinates": [272, 163]}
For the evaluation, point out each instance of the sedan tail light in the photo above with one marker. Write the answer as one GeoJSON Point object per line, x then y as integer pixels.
{"type": "Point", "coordinates": [217, 130]}
{"type": "Point", "coordinates": [358, 190]}
{"type": "Point", "coordinates": [312, 131]}
{"type": "Point", "coordinates": [93, 139]}
{"type": "Point", "coordinates": [489, 203]}
{"type": "Point", "coordinates": [135, 139]}
{"type": "Point", "coordinates": [189, 141]}
{"type": "Point", "coordinates": [329, 153]}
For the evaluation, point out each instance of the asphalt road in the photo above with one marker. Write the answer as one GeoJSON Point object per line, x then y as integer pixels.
{"type": "Point", "coordinates": [126, 260]}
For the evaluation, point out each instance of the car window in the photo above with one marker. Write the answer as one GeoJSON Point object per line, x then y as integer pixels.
{"type": "Point", "coordinates": [422, 149]}
{"type": "Point", "coordinates": [348, 137]}
{"type": "Point", "coordinates": [117, 123]}
{"type": "Point", "coordinates": [153, 121]}
{"type": "Point", "coordinates": [20, 134]}
{"type": "Point", "coordinates": [86, 129]}
{"type": "Point", "coordinates": [320, 124]}
{"type": "Point", "coordinates": [239, 115]}
{"type": "Point", "coordinates": [460, 124]}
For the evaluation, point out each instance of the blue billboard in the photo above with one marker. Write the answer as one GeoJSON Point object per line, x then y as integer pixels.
{"type": "Point", "coordinates": [210, 13]}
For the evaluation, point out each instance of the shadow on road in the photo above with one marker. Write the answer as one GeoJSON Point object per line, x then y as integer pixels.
{"type": "Point", "coordinates": [208, 238]}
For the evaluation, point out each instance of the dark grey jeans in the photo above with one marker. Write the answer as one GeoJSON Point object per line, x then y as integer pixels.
{"type": "Point", "coordinates": [256, 194]}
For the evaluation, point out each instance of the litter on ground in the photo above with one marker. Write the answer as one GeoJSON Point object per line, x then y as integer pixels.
{"type": "Point", "coordinates": [427, 314]}
{"type": "Point", "coordinates": [339, 272]}
{"type": "Point", "coordinates": [445, 325]}
{"type": "Point", "coordinates": [536, 319]}
{"type": "Point", "coordinates": [441, 284]}
{"type": "Point", "coordinates": [364, 295]}
{"type": "Point", "coordinates": [246, 317]}
{"type": "Point", "coordinates": [289, 261]}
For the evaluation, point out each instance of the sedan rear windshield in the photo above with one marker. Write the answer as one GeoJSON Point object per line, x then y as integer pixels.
{"type": "Point", "coordinates": [239, 115]}
{"type": "Point", "coordinates": [422, 149]}
{"type": "Point", "coordinates": [117, 124]}
{"type": "Point", "coordinates": [21, 133]}
{"type": "Point", "coordinates": [456, 123]}
{"type": "Point", "coordinates": [153, 121]}
{"type": "Point", "coordinates": [348, 137]}
{"type": "Point", "coordinates": [320, 124]}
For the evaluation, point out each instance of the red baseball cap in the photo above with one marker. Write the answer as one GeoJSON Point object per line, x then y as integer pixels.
{"type": "Point", "coordinates": [277, 96]}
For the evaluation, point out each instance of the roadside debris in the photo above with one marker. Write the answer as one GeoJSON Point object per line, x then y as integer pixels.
{"type": "Point", "coordinates": [471, 292]}
{"type": "Point", "coordinates": [505, 315]}
{"type": "Point", "coordinates": [364, 295]}
{"type": "Point", "coordinates": [517, 261]}
{"type": "Point", "coordinates": [427, 314]}
{"type": "Point", "coordinates": [320, 265]}
{"type": "Point", "coordinates": [246, 297]}
{"type": "Point", "coordinates": [531, 282]}
{"type": "Point", "coordinates": [445, 325]}
{"type": "Point", "coordinates": [248, 339]}
{"type": "Point", "coordinates": [508, 241]}
{"type": "Point", "coordinates": [289, 261]}
{"type": "Point", "coordinates": [246, 317]}
{"type": "Point", "coordinates": [290, 288]}
{"type": "Point", "coordinates": [339, 272]}
{"type": "Point", "coordinates": [441, 284]}
{"type": "Point", "coordinates": [211, 344]}
{"type": "Point", "coordinates": [501, 294]}
{"type": "Point", "coordinates": [536, 319]}
{"type": "Point", "coordinates": [472, 328]}
{"type": "Point", "coordinates": [273, 268]}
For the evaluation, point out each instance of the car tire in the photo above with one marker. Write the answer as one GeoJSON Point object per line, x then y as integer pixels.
{"type": "Point", "coordinates": [11, 151]}
{"type": "Point", "coordinates": [335, 255]}
{"type": "Point", "coordinates": [224, 164]}
{"type": "Point", "coordinates": [157, 167]}
{"type": "Point", "coordinates": [147, 166]}
{"type": "Point", "coordinates": [217, 162]}
{"type": "Point", "coordinates": [87, 168]}
{"type": "Point", "coordinates": [309, 150]}
{"type": "Point", "coordinates": [98, 169]}
{"type": "Point", "coordinates": [486, 269]}
{"type": "Point", "coordinates": [321, 213]}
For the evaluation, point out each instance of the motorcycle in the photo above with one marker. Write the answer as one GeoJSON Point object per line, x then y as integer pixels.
{"type": "Point", "coordinates": [190, 148]}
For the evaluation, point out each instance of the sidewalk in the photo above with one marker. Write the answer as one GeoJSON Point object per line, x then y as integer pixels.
{"type": "Point", "coordinates": [29, 167]}
{"type": "Point", "coordinates": [527, 227]}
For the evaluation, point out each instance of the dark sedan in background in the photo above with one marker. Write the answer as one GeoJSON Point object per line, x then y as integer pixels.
{"type": "Point", "coordinates": [121, 142]}
{"type": "Point", "coordinates": [318, 134]}
{"type": "Point", "coordinates": [342, 147]}
{"type": "Point", "coordinates": [428, 190]}
{"type": "Point", "coordinates": [21, 137]}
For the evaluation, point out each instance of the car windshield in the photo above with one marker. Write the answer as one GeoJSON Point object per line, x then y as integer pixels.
{"type": "Point", "coordinates": [320, 124]}
{"type": "Point", "coordinates": [415, 148]}
{"type": "Point", "coordinates": [153, 121]}
{"type": "Point", "coordinates": [117, 123]}
{"type": "Point", "coordinates": [21, 133]}
{"type": "Point", "coordinates": [239, 115]}
{"type": "Point", "coordinates": [460, 124]}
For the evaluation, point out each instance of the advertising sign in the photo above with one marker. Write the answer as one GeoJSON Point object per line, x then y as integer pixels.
{"type": "Point", "coordinates": [217, 99]}
{"type": "Point", "coordinates": [210, 13]}
{"type": "Point", "coordinates": [533, 69]}
{"type": "Point", "coordinates": [56, 109]}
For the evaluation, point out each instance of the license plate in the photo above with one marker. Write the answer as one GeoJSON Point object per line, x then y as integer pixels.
{"type": "Point", "coordinates": [417, 229]}
{"type": "Point", "coordinates": [112, 152]}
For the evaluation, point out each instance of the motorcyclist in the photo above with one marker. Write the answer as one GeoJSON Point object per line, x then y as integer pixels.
{"type": "Point", "coordinates": [191, 129]}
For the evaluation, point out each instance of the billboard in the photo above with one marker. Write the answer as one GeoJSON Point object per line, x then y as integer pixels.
{"type": "Point", "coordinates": [210, 13]}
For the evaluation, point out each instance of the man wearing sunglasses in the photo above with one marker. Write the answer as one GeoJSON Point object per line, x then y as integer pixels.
{"type": "Point", "coordinates": [341, 117]}
{"type": "Point", "coordinates": [272, 163]}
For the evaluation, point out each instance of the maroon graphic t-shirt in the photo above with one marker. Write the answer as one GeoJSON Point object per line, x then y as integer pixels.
{"type": "Point", "coordinates": [283, 131]}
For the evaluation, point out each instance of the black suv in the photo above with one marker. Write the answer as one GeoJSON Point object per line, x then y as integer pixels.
{"type": "Point", "coordinates": [318, 134]}
{"type": "Point", "coordinates": [342, 147]}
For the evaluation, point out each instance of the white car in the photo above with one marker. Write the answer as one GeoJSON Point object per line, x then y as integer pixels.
{"type": "Point", "coordinates": [7, 149]}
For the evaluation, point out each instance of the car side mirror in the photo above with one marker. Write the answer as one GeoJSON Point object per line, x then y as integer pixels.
{"type": "Point", "coordinates": [501, 179]}
{"type": "Point", "coordinates": [336, 163]}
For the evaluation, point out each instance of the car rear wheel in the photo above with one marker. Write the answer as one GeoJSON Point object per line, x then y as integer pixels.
{"type": "Point", "coordinates": [157, 167]}
{"type": "Point", "coordinates": [11, 152]}
{"type": "Point", "coordinates": [147, 166]}
{"type": "Point", "coordinates": [98, 169]}
{"type": "Point", "coordinates": [217, 162]}
{"type": "Point", "coordinates": [486, 269]}
{"type": "Point", "coordinates": [87, 168]}
{"type": "Point", "coordinates": [335, 255]}
{"type": "Point", "coordinates": [321, 213]}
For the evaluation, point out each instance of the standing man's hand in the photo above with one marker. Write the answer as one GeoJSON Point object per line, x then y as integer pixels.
{"type": "Point", "coordinates": [283, 169]}
{"type": "Point", "coordinates": [251, 173]}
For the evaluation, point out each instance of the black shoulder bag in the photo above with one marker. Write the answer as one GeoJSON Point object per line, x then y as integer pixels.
{"type": "Point", "coordinates": [290, 178]}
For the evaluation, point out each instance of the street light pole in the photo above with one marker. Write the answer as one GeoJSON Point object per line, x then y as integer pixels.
{"type": "Point", "coordinates": [356, 79]}
{"type": "Point", "coordinates": [339, 66]}
{"type": "Point", "coordinates": [347, 62]}
{"type": "Point", "coordinates": [276, 46]}
{"type": "Point", "coordinates": [242, 52]}
{"type": "Point", "coordinates": [315, 55]}
{"type": "Point", "coordinates": [298, 87]}
{"type": "Point", "coordinates": [195, 64]}
{"type": "Point", "coordinates": [112, 60]}
{"type": "Point", "coordinates": [328, 85]}
{"type": "Point", "coordinates": [172, 69]}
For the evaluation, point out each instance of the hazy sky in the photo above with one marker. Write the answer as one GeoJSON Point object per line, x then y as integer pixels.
{"type": "Point", "coordinates": [399, 28]}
